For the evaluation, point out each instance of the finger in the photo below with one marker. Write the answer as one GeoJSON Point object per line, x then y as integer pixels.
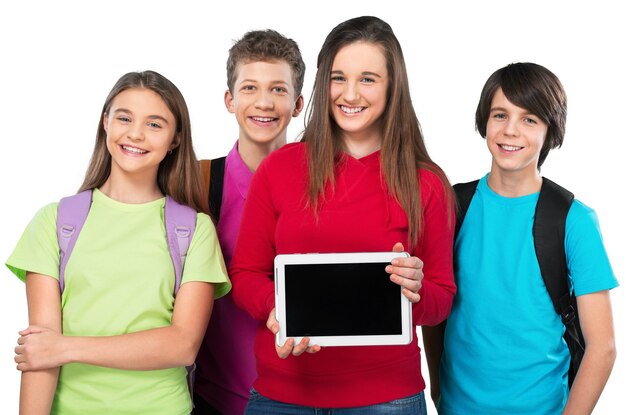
{"type": "Point", "coordinates": [398, 247]}
{"type": "Point", "coordinates": [285, 350]}
{"type": "Point", "coordinates": [301, 347]}
{"type": "Point", "coordinates": [30, 330]}
{"type": "Point", "coordinates": [412, 296]}
{"type": "Point", "coordinates": [408, 262]}
{"type": "Point", "coordinates": [313, 349]}
{"type": "Point", "coordinates": [407, 273]}
{"type": "Point", "coordinates": [409, 284]}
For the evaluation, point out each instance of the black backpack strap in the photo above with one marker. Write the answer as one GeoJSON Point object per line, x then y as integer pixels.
{"type": "Point", "coordinates": [216, 186]}
{"type": "Point", "coordinates": [464, 192]}
{"type": "Point", "coordinates": [549, 235]}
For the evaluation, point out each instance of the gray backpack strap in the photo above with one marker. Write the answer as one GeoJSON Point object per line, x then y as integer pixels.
{"type": "Point", "coordinates": [180, 224]}
{"type": "Point", "coordinates": [71, 216]}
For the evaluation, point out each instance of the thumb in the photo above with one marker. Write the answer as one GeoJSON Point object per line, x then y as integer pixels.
{"type": "Point", "coordinates": [30, 330]}
{"type": "Point", "coordinates": [398, 247]}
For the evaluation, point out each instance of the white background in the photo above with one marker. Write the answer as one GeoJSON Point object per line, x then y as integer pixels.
{"type": "Point", "coordinates": [58, 61]}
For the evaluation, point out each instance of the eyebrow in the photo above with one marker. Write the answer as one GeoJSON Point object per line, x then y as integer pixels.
{"type": "Point", "coordinates": [526, 112]}
{"type": "Point", "coordinates": [368, 73]}
{"type": "Point", "coordinates": [273, 82]}
{"type": "Point", "coordinates": [152, 117]}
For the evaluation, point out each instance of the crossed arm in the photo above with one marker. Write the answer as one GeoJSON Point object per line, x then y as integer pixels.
{"type": "Point", "coordinates": [42, 348]}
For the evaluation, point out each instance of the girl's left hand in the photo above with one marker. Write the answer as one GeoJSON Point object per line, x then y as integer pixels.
{"type": "Point", "coordinates": [407, 273]}
{"type": "Point", "coordinates": [38, 348]}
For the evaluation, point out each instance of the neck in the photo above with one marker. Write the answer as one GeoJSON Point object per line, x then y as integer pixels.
{"type": "Point", "coordinates": [131, 190]}
{"type": "Point", "coordinates": [361, 148]}
{"type": "Point", "coordinates": [253, 153]}
{"type": "Point", "coordinates": [514, 184]}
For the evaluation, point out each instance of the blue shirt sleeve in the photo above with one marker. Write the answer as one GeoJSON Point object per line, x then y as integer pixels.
{"type": "Point", "coordinates": [587, 259]}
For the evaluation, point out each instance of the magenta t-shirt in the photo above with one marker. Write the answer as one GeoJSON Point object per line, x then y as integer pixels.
{"type": "Point", "coordinates": [226, 364]}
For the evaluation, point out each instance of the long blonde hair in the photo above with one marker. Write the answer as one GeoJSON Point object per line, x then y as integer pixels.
{"type": "Point", "coordinates": [402, 148]}
{"type": "Point", "coordinates": [178, 174]}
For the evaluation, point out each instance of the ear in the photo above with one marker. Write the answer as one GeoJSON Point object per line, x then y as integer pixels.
{"type": "Point", "coordinates": [175, 142]}
{"type": "Point", "coordinates": [229, 101]}
{"type": "Point", "coordinates": [105, 122]}
{"type": "Point", "coordinates": [299, 106]}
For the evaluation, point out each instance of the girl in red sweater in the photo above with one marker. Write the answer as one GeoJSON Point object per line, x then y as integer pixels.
{"type": "Point", "coordinates": [361, 180]}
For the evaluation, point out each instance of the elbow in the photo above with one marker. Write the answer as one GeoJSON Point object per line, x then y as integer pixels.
{"type": "Point", "coordinates": [188, 354]}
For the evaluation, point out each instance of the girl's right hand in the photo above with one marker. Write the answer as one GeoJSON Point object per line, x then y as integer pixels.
{"type": "Point", "coordinates": [289, 347]}
{"type": "Point", "coordinates": [39, 348]}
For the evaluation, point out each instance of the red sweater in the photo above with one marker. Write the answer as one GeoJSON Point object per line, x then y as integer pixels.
{"type": "Point", "coordinates": [358, 217]}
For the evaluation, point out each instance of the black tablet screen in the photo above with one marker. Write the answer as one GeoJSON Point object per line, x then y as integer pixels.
{"type": "Point", "coordinates": [341, 300]}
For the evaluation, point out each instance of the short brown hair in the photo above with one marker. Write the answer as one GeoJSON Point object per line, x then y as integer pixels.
{"type": "Point", "coordinates": [265, 46]}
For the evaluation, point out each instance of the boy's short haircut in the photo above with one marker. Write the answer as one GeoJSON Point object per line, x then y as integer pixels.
{"type": "Point", "coordinates": [265, 46]}
{"type": "Point", "coordinates": [532, 87]}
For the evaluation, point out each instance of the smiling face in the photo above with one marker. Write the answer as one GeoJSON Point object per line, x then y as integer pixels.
{"type": "Point", "coordinates": [263, 101]}
{"type": "Point", "coordinates": [140, 131]}
{"type": "Point", "coordinates": [358, 95]}
{"type": "Point", "coordinates": [514, 138]}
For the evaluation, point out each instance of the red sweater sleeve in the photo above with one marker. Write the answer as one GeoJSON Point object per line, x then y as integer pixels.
{"type": "Point", "coordinates": [252, 267]}
{"type": "Point", "coordinates": [435, 250]}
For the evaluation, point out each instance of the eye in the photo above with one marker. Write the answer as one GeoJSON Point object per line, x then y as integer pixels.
{"type": "Point", "coordinates": [153, 124]}
{"type": "Point", "coordinates": [280, 89]}
{"type": "Point", "coordinates": [529, 120]}
{"type": "Point", "coordinates": [367, 80]}
{"type": "Point", "coordinates": [337, 78]}
{"type": "Point", "coordinates": [499, 116]}
{"type": "Point", "coordinates": [123, 119]}
{"type": "Point", "coordinates": [248, 88]}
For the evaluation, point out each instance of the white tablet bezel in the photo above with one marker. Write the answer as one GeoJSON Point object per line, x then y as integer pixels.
{"type": "Point", "coordinates": [338, 258]}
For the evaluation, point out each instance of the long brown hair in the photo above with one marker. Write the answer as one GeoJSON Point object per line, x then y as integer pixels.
{"type": "Point", "coordinates": [178, 174]}
{"type": "Point", "coordinates": [402, 147]}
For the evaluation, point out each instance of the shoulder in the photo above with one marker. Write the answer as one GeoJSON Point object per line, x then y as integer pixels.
{"type": "Point", "coordinates": [288, 158]}
{"type": "Point", "coordinates": [581, 216]}
{"type": "Point", "coordinates": [47, 214]}
{"type": "Point", "coordinates": [431, 182]}
{"type": "Point", "coordinates": [287, 153]}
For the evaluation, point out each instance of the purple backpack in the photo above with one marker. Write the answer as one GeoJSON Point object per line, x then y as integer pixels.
{"type": "Point", "coordinates": [180, 223]}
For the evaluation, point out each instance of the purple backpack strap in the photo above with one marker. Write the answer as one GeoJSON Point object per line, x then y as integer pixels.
{"type": "Point", "coordinates": [180, 223]}
{"type": "Point", "coordinates": [71, 216]}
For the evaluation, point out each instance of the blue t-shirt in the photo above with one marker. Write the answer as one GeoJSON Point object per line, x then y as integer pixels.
{"type": "Point", "coordinates": [504, 351]}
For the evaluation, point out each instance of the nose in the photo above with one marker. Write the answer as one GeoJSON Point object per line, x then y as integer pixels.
{"type": "Point", "coordinates": [135, 132]}
{"type": "Point", "coordinates": [511, 128]}
{"type": "Point", "coordinates": [351, 92]}
{"type": "Point", "coordinates": [264, 101]}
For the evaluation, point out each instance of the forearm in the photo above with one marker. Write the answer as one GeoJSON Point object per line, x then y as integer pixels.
{"type": "Point", "coordinates": [153, 349]}
{"type": "Point", "coordinates": [435, 304]}
{"type": "Point", "coordinates": [37, 391]}
{"type": "Point", "coordinates": [592, 376]}
{"type": "Point", "coordinates": [253, 294]}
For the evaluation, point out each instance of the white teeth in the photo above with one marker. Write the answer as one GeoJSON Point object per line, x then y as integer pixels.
{"type": "Point", "coordinates": [263, 119]}
{"type": "Point", "coordinates": [510, 148]}
{"type": "Point", "coordinates": [134, 150]}
{"type": "Point", "coordinates": [351, 110]}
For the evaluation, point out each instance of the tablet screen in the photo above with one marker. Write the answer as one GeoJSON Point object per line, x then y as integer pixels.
{"type": "Point", "coordinates": [347, 299]}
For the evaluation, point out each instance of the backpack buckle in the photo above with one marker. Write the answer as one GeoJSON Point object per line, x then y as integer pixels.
{"type": "Point", "coordinates": [568, 315]}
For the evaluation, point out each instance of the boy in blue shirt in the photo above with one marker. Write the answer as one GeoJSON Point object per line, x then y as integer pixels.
{"type": "Point", "coordinates": [503, 350]}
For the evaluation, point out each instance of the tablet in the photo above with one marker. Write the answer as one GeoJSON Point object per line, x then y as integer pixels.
{"type": "Point", "coordinates": [344, 299]}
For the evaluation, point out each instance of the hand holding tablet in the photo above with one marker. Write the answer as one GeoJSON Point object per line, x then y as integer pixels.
{"type": "Point", "coordinates": [342, 299]}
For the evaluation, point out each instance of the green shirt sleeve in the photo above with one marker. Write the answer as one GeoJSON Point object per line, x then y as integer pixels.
{"type": "Point", "coordinates": [37, 250]}
{"type": "Point", "coordinates": [204, 260]}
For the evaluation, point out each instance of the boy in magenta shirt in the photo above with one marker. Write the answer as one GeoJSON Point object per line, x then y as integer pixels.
{"type": "Point", "coordinates": [265, 74]}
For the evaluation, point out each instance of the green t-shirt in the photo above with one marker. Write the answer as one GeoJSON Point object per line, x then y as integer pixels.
{"type": "Point", "coordinates": [119, 279]}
